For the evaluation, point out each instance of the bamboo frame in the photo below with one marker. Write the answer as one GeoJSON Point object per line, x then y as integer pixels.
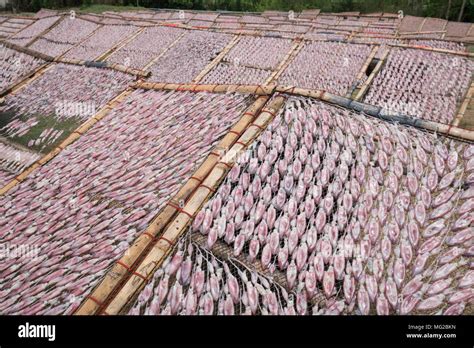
{"type": "Point", "coordinates": [222, 251]}
{"type": "Point", "coordinates": [301, 36]}
{"type": "Point", "coordinates": [464, 106]}
{"type": "Point", "coordinates": [292, 53]}
{"type": "Point", "coordinates": [367, 62]}
{"type": "Point", "coordinates": [44, 32]}
{"type": "Point", "coordinates": [178, 226]}
{"type": "Point", "coordinates": [68, 141]}
{"type": "Point", "coordinates": [431, 49]}
{"type": "Point", "coordinates": [218, 59]}
{"type": "Point", "coordinates": [363, 70]}
{"type": "Point", "coordinates": [33, 20]}
{"type": "Point", "coordinates": [317, 94]}
{"type": "Point", "coordinates": [375, 111]}
{"type": "Point", "coordinates": [156, 22]}
{"type": "Point", "coordinates": [80, 42]}
{"type": "Point", "coordinates": [154, 60]}
{"type": "Point", "coordinates": [249, 89]}
{"type": "Point", "coordinates": [118, 275]}
{"type": "Point", "coordinates": [366, 84]}
{"type": "Point", "coordinates": [119, 45]}
{"type": "Point", "coordinates": [27, 51]}
{"type": "Point", "coordinates": [104, 65]}
{"type": "Point", "coordinates": [26, 80]}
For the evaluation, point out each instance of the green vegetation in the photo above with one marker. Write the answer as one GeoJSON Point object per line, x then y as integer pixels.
{"type": "Point", "coordinates": [99, 8]}
{"type": "Point", "coordinates": [450, 9]}
{"type": "Point", "coordinates": [44, 122]}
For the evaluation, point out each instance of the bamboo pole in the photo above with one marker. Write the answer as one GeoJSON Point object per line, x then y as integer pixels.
{"type": "Point", "coordinates": [249, 89]}
{"type": "Point", "coordinates": [367, 62]}
{"type": "Point", "coordinates": [217, 60]}
{"type": "Point", "coordinates": [470, 32]}
{"type": "Point", "coordinates": [435, 127]}
{"type": "Point", "coordinates": [162, 248]}
{"type": "Point", "coordinates": [422, 24]}
{"type": "Point", "coordinates": [44, 32]}
{"type": "Point", "coordinates": [90, 20]}
{"type": "Point", "coordinates": [423, 32]}
{"type": "Point", "coordinates": [432, 49]}
{"type": "Point", "coordinates": [15, 16]}
{"type": "Point", "coordinates": [26, 80]}
{"type": "Point", "coordinates": [119, 45]}
{"type": "Point", "coordinates": [222, 250]}
{"type": "Point", "coordinates": [33, 20]}
{"type": "Point", "coordinates": [464, 106]}
{"type": "Point", "coordinates": [27, 51]}
{"type": "Point", "coordinates": [62, 55]}
{"type": "Point", "coordinates": [21, 80]}
{"type": "Point", "coordinates": [362, 35]}
{"type": "Point", "coordinates": [154, 60]}
{"type": "Point", "coordinates": [376, 111]}
{"type": "Point", "coordinates": [125, 69]}
{"type": "Point", "coordinates": [117, 276]}
{"type": "Point", "coordinates": [363, 70]}
{"type": "Point", "coordinates": [104, 65]}
{"type": "Point", "coordinates": [69, 140]}
{"type": "Point", "coordinates": [292, 53]}
{"type": "Point", "coordinates": [366, 84]}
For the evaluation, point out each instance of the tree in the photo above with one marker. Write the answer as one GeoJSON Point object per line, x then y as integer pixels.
{"type": "Point", "coordinates": [448, 9]}
{"type": "Point", "coordinates": [461, 12]}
